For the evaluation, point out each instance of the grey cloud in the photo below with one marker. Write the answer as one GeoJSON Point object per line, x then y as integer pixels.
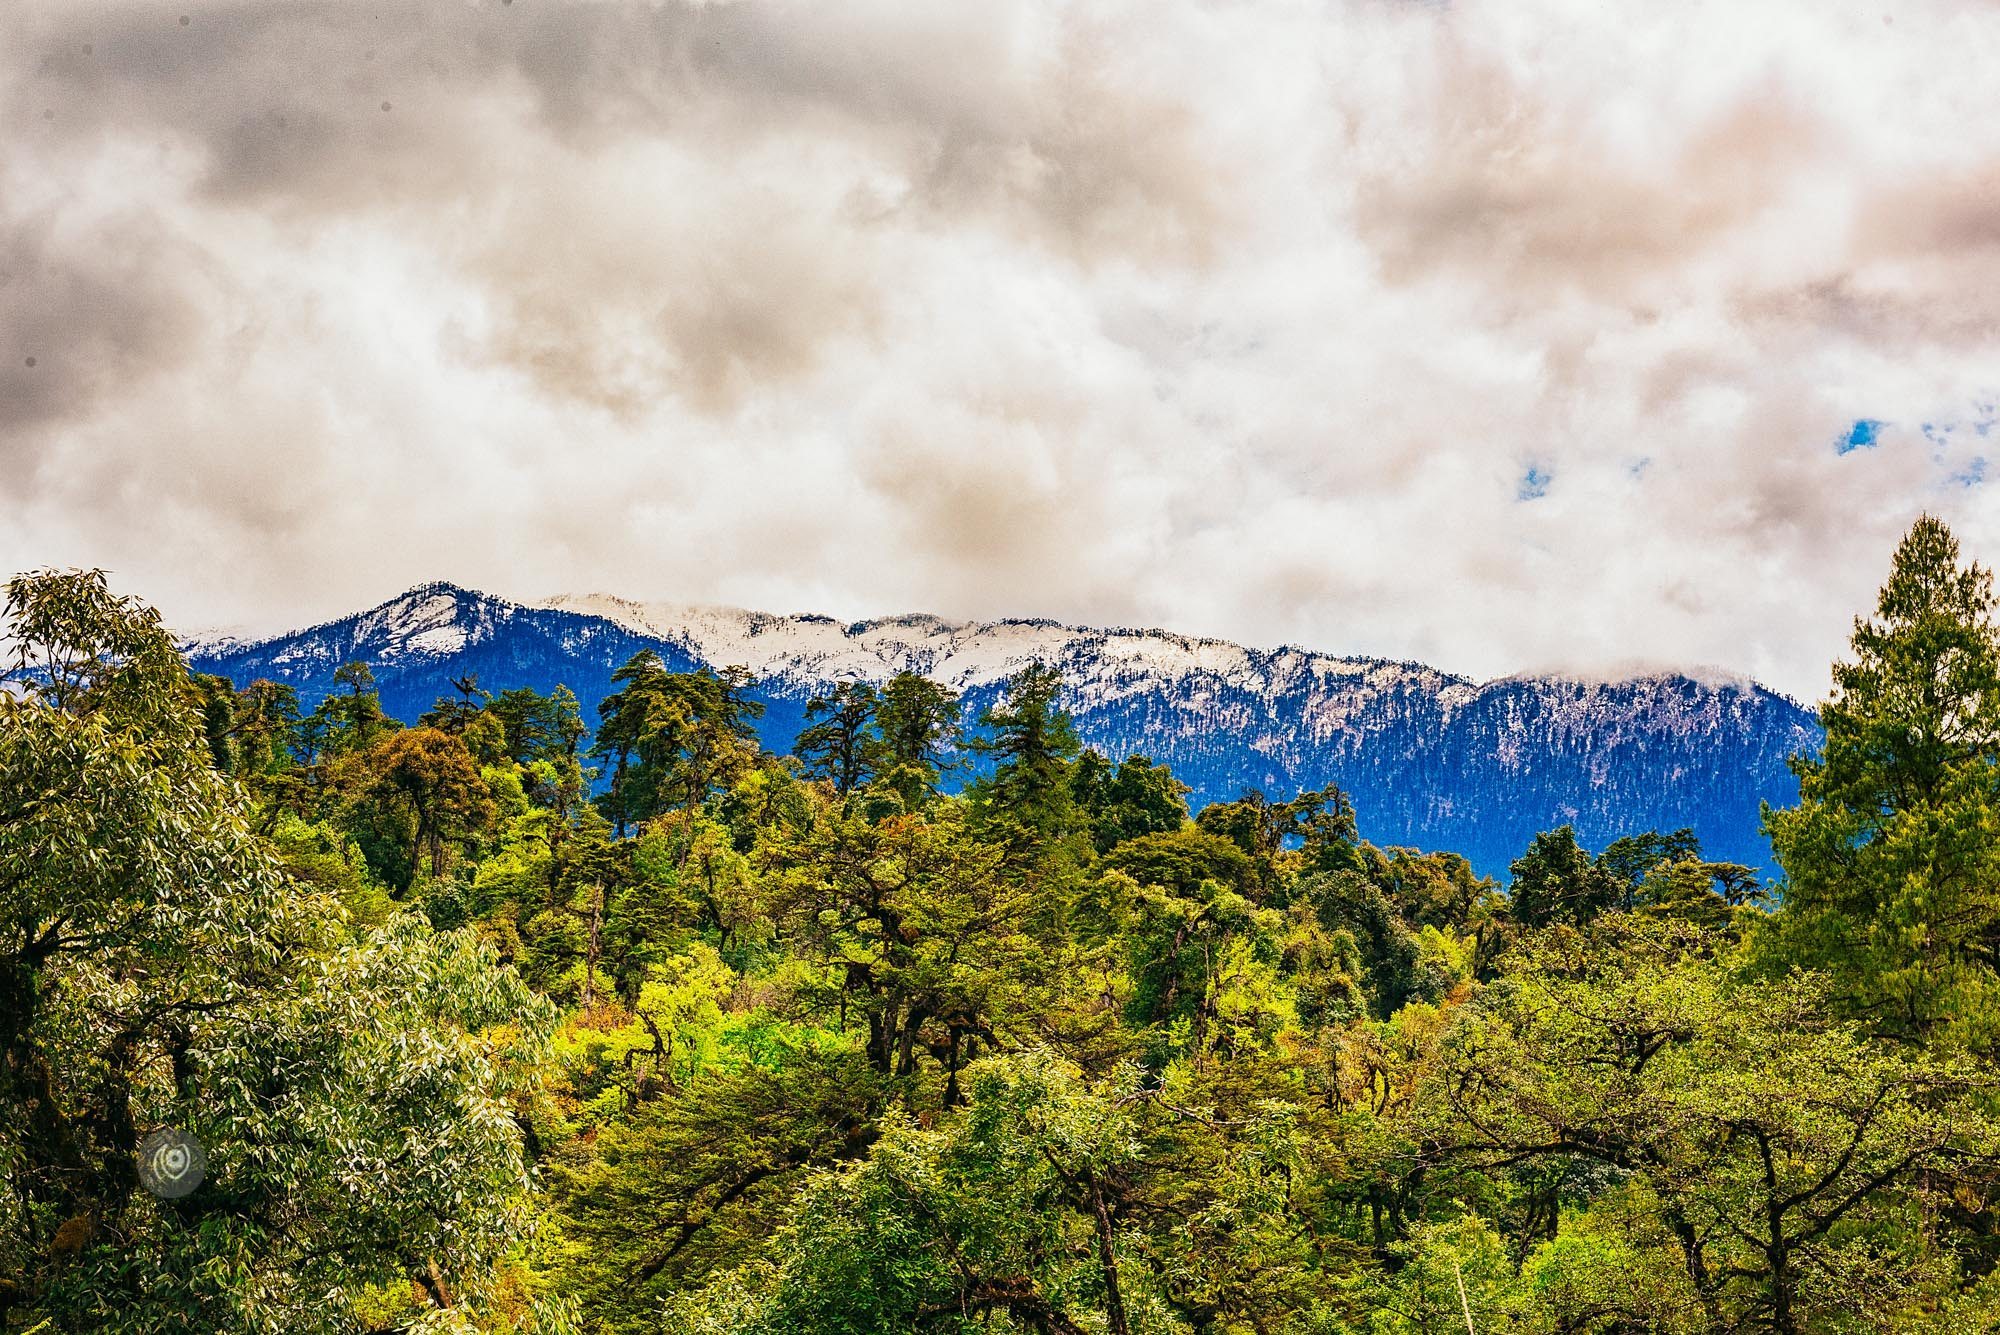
{"type": "Point", "coordinates": [1521, 197]}
{"type": "Point", "coordinates": [286, 100]}
{"type": "Point", "coordinates": [80, 318]}
{"type": "Point", "coordinates": [483, 128]}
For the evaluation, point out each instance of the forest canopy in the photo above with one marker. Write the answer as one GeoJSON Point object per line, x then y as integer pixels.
{"type": "Point", "coordinates": [505, 1019]}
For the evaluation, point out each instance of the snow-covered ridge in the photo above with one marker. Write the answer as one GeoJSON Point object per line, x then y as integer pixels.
{"type": "Point", "coordinates": [436, 620]}
{"type": "Point", "coordinates": [1431, 759]}
{"type": "Point", "coordinates": [962, 654]}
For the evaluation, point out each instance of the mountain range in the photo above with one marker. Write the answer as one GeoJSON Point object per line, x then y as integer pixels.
{"type": "Point", "coordinates": [1431, 760]}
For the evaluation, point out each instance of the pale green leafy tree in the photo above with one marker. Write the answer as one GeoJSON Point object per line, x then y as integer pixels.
{"type": "Point", "coordinates": [157, 970]}
{"type": "Point", "coordinates": [1001, 1218]}
{"type": "Point", "coordinates": [1797, 1165]}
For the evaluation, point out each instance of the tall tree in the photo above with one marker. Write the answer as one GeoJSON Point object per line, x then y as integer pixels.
{"type": "Point", "coordinates": [428, 774]}
{"type": "Point", "coordinates": [1134, 797]}
{"type": "Point", "coordinates": [917, 737]}
{"type": "Point", "coordinates": [834, 744]}
{"type": "Point", "coordinates": [157, 971]}
{"type": "Point", "coordinates": [454, 713]}
{"type": "Point", "coordinates": [895, 910]}
{"type": "Point", "coordinates": [264, 728]}
{"type": "Point", "coordinates": [1556, 881]}
{"type": "Point", "coordinates": [673, 738]}
{"type": "Point", "coordinates": [1033, 744]}
{"type": "Point", "coordinates": [1892, 856]}
{"type": "Point", "coordinates": [1319, 821]}
{"type": "Point", "coordinates": [349, 719]}
{"type": "Point", "coordinates": [538, 727]}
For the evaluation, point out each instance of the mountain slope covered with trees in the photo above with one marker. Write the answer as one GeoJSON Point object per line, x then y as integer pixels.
{"type": "Point", "coordinates": [1432, 760]}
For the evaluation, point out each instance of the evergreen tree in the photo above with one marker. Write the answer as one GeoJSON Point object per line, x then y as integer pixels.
{"type": "Point", "coordinates": [348, 720]}
{"type": "Point", "coordinates": [1556, 881]}
{"type": "Point", "coordinates": [454, 713]}
{"type": "Point", "coordinates": [673, 738]}
{"type": "Point", "coordinates": [1628, 860]}
{"type": "Point", "coordinates": [537, 726]}
{"type": "Point", "coordinates": [1134, 797]}
{"type": "Point", "coordinates": [1892, 856]}
{"type": "Point", "coordinates": [916, 740]}
{"type": "Point", "coordinates": [264, 729]}
{"type": "Point", "coordinates": [835, 743]}
{"type": "Point", "coordinates": [1319, 822]}
{"type": "Point", "coordinates": [1033, 744]}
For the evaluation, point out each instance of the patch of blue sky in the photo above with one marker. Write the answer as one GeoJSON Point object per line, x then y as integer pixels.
{"type": "Point", "coordinates": [1534, 483]}
{"type": "Point", "coordinates": [1861, 436]}
{"type": "Point", "coordinates": [1972, 474]}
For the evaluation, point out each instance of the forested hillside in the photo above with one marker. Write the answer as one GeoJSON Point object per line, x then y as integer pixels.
{"type": "Point", "coordinates": [594, 1008]}
{"type": "Point", "coordinates": [1430, 760]}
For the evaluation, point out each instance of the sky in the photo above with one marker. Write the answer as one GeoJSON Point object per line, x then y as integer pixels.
{"type": "Point", "coordinates": [1506, 337]}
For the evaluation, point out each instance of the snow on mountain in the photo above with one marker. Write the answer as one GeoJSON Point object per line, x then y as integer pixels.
{"type": "Point", "coordinates": [961, 654]}
{"type": "Point", "coordinates": [1430, 758]}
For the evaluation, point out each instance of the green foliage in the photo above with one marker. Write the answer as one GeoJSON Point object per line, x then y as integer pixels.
{"type": "Point", "coordinates": [811, 1044]}
{"type": "Point", "coordinates": [1133, 798]}
{"type": "Point", "coordinates": [836, 744]}
{"type": "Point", "coordinates": [1892, 857]}
{"type": "Point", "coordinates": [1782, 1149]}
{"type": "Point", "coordinates": [1004, 1213]}
{"type": "Point", "coordinates": [1556, 881]}
{"type": "Point", "coordinates": [160, 969]}
{"type": "Point", "coordinates": [1033, 744]}
{"type": "Point", "coordinates": [673, 738]}
{"type": "Point", "coordinates": [916, 738]}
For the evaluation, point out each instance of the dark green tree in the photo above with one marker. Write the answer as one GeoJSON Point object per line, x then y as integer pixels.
{"type": "Point", "coordinates": [1320, 822]}
{"type": "Point", "coordinates": [537, 726]}
{"type": "Point", "coordinates": [1629, 859]}
{"type": "Point", "coordinates": [1892, 856]}
{"type": "Point", "coordinates": [835, 742]}
{"type": "Point", "coordinates": [1033, 744]}
{"type": "Point", "coordinates": [1123, 802]}
{"type": "Point", "coordinates": [917, 738]}
{"type": "Point", "coordinates": [349, 719]}
{"type": "Point", "coordinates": [673, 738]}
{"type": "Point", "coordinates": [1556, 881]}
{"type": "Point", "coordinates": [454, 713]}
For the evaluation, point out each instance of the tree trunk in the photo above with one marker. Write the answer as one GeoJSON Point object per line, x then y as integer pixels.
{"type": "Point", "coordinates": [1107, 1258]}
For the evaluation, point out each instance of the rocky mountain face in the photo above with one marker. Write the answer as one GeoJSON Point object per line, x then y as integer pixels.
{"type": "Point", "coordinates": [1431, 760]}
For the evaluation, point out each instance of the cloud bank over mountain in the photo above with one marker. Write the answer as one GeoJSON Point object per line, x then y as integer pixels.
{"type": "Point", "coordinates": [1493, 335]}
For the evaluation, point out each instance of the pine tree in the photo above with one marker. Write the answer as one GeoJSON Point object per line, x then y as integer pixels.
{"type": "Point", "coordinates": [1555, 881]}
{"type": "Point", "coordinates": [1034, 744]}
{"type": "Point", "coordinates": [1892, 857]}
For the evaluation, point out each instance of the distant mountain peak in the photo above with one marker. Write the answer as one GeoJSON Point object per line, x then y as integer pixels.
{"type": "Point", "coordinates": [1431, 759]}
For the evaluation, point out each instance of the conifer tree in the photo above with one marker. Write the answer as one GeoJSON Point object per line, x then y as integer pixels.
{"type": "Point", "coordinates": [1035, 744]}
{"type": "Point", "coordinates": [916, 737]}
{"type": "Point", "coordinates": [1892, 857]}
{"type": "Point", "coordinates": [834, 745]}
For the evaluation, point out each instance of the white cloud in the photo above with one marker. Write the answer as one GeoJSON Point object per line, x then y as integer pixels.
{"type": "Point", "coordinates": [1247, 319]}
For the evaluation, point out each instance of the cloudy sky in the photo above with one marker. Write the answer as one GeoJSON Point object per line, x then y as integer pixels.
{"type": "Point", "coordinates": [1501, 336]}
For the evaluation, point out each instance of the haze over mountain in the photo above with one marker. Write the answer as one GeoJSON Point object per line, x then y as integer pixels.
{"type": "Point", "coordinates": [1431, 759]}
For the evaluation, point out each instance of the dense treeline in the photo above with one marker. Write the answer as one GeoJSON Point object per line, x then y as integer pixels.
{"type": "Point", "coordinates": [509, 1020]}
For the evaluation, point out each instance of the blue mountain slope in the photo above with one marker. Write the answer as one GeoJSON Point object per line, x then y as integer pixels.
{"type": "Point", "coordinates": [1431, 760]}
